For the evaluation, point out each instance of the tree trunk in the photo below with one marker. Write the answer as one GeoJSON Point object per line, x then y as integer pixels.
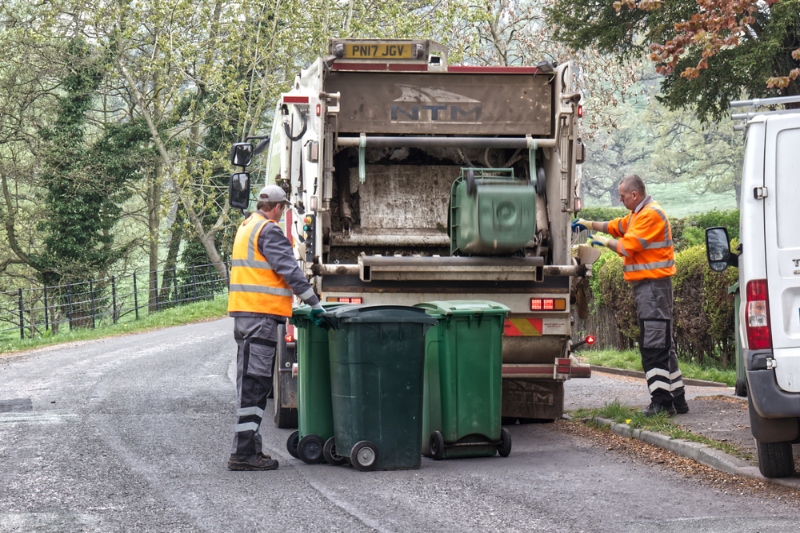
{"type": "Point", "coordinates": [172, 255]}
{"type": "Point", "coordinates": [153, 223]}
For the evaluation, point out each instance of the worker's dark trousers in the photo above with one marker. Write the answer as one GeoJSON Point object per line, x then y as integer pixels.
{"type": "Point", "coordinates": [257, 339]}
{"type": "Point", "coordinates": [660, 362]}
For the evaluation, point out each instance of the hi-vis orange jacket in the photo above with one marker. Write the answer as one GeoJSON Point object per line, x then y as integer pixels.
{"type": "Point", "coordinates": [255, 287]}
{"type": "Point", "coordinates": [645, 243]}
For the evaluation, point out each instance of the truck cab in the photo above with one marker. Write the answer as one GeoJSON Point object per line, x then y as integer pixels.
{"type": "Point", "coordinates": [769, 276]}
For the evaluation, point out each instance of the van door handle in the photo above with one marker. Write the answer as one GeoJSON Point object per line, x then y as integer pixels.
{"type": "Point", "coordinates": [759, 193]}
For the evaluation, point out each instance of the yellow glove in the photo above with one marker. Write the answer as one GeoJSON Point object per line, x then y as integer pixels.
{"type": "Point", "coordinates": [599, 240]}
{"type": "Point", "coordinates": [581, 224]}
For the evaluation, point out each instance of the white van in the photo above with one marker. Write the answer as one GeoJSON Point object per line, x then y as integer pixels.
{"type": "Point", "coordinates": [769, 276]}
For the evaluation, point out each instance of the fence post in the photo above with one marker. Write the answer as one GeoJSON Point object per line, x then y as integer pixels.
{"type": "Point", "coordinates": [194, 284]}
{"type": "Point", "coordinates": [69, 304]}
{"type": "Point", "coordinates": [21, 317]}
{"type": "Point", "coordinates": [175, 283]}
{"type": "Point", "coordinates": [135, 297]}
{"type": "Point", "coordinates": [155, 286]}
{"type": "Point", "coordinates": [91, 299]}
{"type": "Point", "coordinates": [113, 300]}
{"type": "Point", "coordinates": [46, 317]}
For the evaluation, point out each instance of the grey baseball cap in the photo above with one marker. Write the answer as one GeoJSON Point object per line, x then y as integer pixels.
{"type": "Point", "coordinates": [273, 193]}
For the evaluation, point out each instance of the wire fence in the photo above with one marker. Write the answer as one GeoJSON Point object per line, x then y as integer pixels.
{"type": "Point", "coordinates": [96, 303]}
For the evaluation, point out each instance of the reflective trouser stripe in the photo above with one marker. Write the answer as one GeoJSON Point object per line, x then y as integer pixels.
{"type": "Point", "coordinates": [247, 426]}
{"type": "Point", "coordinates": [658, 385]}
{"type": "Point", "coordinates": [247, 411]}
{"type": "Point", "coordinates": [657, 372]}
{"type": "Point", "coordinates": [260, 289]}
{"type": "Point", "coordinates": [677, 385]}
{"type": "Point", "coordinates": [649, 266]}
{"type": "Point", "coordinates": [675, 375]}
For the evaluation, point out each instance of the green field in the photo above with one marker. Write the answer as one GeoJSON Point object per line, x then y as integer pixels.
{"type": "Point", "coordinates": [680, 200]}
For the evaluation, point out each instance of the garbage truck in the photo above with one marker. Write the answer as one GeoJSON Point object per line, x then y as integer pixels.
{"type": "Point", "coordinates": [414, 180]}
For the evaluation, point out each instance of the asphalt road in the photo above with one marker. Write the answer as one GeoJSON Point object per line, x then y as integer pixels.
{"type": "Point", "coordinates": [132, 434]}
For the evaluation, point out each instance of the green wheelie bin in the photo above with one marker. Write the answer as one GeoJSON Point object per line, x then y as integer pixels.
{"type": "Point", "coordinates": [462, 405]}
{"type": "Point", "coordinates": [313, 440]}
{"type": "Point", "coordinates": [377, 354]}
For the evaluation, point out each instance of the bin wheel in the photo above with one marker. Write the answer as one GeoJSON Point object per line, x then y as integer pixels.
{"type": "Point", "coordinates": [470, 179]}
{"type": "Point", "coordinates": [364, 456]}
{"type": "Point", "coordinates": [329, 452]}
{"type": "Point", "coordinates": [309, 449]}
{"type": "Point", "coordinates": [505, 443]}
{"type": "Point", "coordinates": [437, 445]}
{"type": "Point", "coordinates": [291, 444]}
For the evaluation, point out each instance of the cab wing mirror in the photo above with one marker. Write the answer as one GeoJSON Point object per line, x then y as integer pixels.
{"type": "Point", "coordinates": [239, 191]}
{"type": "Point", "coordinates": [241, 154]}
{"type": "Point", "coordinates": [718, 250]}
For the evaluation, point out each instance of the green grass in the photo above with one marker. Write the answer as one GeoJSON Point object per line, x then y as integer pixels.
{"type": "Point", "coordinates": [681, 199]}
{"type": "Point", "coordinates": [631, 360]}
{"type": "Point", "coordinates": [185, 314]}
{"type": "Point", "coordinates": [661, 423]}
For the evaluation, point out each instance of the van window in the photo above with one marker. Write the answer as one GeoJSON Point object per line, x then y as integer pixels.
{"type": "Point", "coordinates": [787, 185]}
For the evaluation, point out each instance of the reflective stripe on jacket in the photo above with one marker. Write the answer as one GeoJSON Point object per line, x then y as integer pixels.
{"type": "Point", "coordinates": [255, 287]}
{"type": "Point", "coordinates": [645, 243]}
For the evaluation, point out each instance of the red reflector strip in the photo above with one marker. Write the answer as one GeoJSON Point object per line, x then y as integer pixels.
{"type": "Point", "coordinates": [347, 300]}
{"type": "Point", "coordinates": [468, 69]}
{"type": "Point", "coordinates": [295, 99]}
{"type": "Point", "coordinates": [522, 327]}
{"type": "Point", "coordinates": [413, 67]}
{"type": "Point", "coordinates": [358, 66]}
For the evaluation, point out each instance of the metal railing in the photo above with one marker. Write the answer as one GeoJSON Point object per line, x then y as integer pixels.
{"type": "Point", "coordinates": [96, 303]}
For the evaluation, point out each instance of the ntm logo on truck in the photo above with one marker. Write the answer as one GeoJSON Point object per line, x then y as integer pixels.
{"type": "Point", "coordinates": [420, 104]}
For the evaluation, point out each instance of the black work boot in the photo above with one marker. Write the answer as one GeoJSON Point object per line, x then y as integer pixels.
{"type": "Point", "coordinates": [252, 462]}
{"type": "Point", "coordinates": [656, 408]}
{"type": "Point", "coordinates": [679, 402]}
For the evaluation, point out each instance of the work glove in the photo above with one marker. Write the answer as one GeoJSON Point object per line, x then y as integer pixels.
{"type": "Point", "coordinates": [581, 224]}
{"type": "Point", "coordinates": [319, 320]}
{"type": "Point", "coordinates": [599, 240]}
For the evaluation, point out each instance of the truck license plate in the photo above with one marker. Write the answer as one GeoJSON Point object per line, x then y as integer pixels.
{"type": "Point", "coordinates": [378, 51]}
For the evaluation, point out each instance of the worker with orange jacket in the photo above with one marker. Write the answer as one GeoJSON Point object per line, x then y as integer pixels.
{"type": "Point", "coordinates": [264, 277]}
{"type": "Point", "coordinates": [644, 240]}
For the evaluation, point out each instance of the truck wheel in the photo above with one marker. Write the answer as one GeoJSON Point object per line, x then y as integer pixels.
{"type": "Point", "coordinates": [775, 459]}
{"type": "Point", "coordinates": [505, 443]}
{"type": "Point", "coordinates": [364, 456]}
{"type": "Point", "coordinates": [741, 388]}
{"type": "Point", "coordinates": [285, 417]}
{"type": "Point", "coordinates": [437, 445]}
{"type": "Point", "coordinates": [309, 449]}
{"type": "Point", "coordinates": [329, 452]}
{"type": "Point", "coordinates": [291, 444]}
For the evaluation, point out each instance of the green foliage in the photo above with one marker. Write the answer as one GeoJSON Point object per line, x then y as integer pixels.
{"type": "Point", "coordinates": [735, 72]}
{"type": "Point", "coordinates": [617, 295]}
{"type": "Point", "coordinates": [602, 213]}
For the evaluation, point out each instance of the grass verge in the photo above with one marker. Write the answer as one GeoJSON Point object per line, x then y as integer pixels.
{"type": "Point", "coordinates": [185, 314]}
{"type": "Point", "coordinates": [661, 423]}
{"type": "Point", "coordinates": [631, 360]}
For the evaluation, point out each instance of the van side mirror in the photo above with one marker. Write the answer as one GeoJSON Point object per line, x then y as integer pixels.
{"type": "Point", "coordinates": [718, 250]}
{"type": "Point", "coordinates": [239, 191]}
{"type": "Point", "coordinates": [241, 154]}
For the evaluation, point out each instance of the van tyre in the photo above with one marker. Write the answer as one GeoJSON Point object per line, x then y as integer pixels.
{"type": "Point", "coordinates": [364, 456]}
{"type": "Point", "coordinates": [329, 452]}
{"type": "Point", "coordinates": [309, 449]}
{"type": "Point", "coordinates": [436, 445]}
{"type": "Point", "coordinates": [775, 459]}
{"type": "Point", "coordinates": [505, 443]}
{"type": "Point", "coordinates": [291, 444]}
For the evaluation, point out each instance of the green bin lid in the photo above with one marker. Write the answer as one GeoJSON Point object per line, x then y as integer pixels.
{"type": "Point", "coordinates": [380, 313]}
{"type": "Point", "coordinates": [304, 311]}
{"type": "Point", "coordinates": [464, 308]}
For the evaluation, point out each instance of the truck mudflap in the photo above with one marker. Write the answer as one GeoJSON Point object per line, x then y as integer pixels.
{"type": "Point", "coordinates": [562, 369]}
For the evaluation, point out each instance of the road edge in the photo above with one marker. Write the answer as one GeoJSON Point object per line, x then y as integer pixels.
{"type": "Point", "coordinates": [701, 453]}
{"type": "Point", "coordinates": [639, 374]}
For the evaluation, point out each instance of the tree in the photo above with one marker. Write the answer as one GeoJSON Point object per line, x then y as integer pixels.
{"type": "Point", "coordinates": [732, 49]}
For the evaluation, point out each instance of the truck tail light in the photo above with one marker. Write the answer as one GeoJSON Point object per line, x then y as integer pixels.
{"type": "Point", "coordinates": [345, 299]}
{"type": "Point", "coordinates": [757, 315]}
{"type": "Point", "coordinates": [548, 304]}
{"type": "Point", "coordinates": [289, 333]}
{"type": "Point", "coordinates": [580, 111]}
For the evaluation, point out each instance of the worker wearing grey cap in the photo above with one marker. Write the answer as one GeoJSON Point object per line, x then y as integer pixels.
{"type": "Point", "coordinates": [264, 276]}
